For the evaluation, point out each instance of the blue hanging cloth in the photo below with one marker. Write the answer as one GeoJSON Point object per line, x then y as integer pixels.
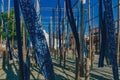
{"type": "Point", "coordinates": [27, 64]}
{"type": "Point", "coordinates": [19, 42]}
{"type": "Point", "coordinates": [37, 38]}
{"type": "Point", "coordinates": [8, 42]}
{"type": "Point", "coordinates": [103, 43]}
{"type": "Point", "coordinates": [111, 37]}
{"type": "Point", "coordinates": [101, 57]}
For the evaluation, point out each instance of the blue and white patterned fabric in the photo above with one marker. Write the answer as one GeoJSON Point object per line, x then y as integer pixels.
{"type": "Point", "coordinates": [27, 64]}
{"type": "Point", "coordinates": [37, 38]}
{"type": "Point", "coordinates": [110, 31]}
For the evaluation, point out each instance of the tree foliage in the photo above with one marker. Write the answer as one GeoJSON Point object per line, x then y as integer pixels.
{"type": "Point", "coordinates": [10, 24]}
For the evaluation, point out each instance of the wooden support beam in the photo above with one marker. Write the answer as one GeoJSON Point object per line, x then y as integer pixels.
{"type": "Point", "coordinates": [92, 40]}
{"type": "Point", "coordinates": [89, 30]}
{"type": "Point", "coordinates": [8, 8]}
{"type": "Point", "coordinates": [118, 43]}
{"type": "Point", "coordinates": [2, 22]}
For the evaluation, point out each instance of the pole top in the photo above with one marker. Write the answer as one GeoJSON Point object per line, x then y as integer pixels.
{"type": "Point", "coordinates": [84, 1]}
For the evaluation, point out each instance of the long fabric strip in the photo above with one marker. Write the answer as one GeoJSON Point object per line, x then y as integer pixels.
{"type": "Point", "coordinates": [19, 42]}
{"type": "Point", "coordinates": [103, 44]}
{"type": "Point", "coordinates": [101, 57]}
{"type": "Point", "coordinates": [111, 37]}
{"type": "Point", "coordinates": [27, 64]}
{"type": "Point", "coordinates": [37, 38]}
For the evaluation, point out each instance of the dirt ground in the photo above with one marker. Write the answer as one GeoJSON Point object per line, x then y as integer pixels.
{"type": "Point", "coordinates": [10, 72]}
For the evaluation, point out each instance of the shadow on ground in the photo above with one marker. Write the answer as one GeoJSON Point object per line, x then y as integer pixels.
{"type": "Point", "coordinates": [59, 77]}
{"type": "Point", "coordinates": [10, 74]}
{"type": "Point", "coordinates": [98, 77]}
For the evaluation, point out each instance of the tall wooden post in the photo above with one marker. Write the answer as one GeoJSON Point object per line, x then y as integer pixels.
{"type": "Point", "coordinates": [7, 39]}
{"type": "Point", "coordinates": [2, 22]}
{"type": "Point", "coordinates": [82, 40]}
{"type": "Point", "coordinates": [12, 24]}
{"type": "Point", "coordinates": [87, 60]}
{"type": "Point", "coordinates": [65, 34]}
{"type": "Point", "coordinates": [53, 33]}
{"type": "Point", "coordinates": [8, 8]}
{"type": "Point", "coordinates": [92, 41]}
{"type": "Point", "coordinates": [118, 44]}
{"type": "Point", "coordinates": [63, 47]}
{"type": "Point", "coordinates": [59, 25]}
{"type": "Point", "coordinates": [50, 30]}
{"type": "Point", "coordinates": [24, 41]}
{"type": "Point", "coordinates": [89, 29]}
{"type": "Point", "coordinates": [13, 36]}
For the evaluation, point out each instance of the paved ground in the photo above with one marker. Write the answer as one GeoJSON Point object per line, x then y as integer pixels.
{"type": "Point", "coordinates": [61, 73]}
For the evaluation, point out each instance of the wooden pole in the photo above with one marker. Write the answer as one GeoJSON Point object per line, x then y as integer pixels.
{"type": "Point", "coordinates": [51, 31]}
{"type": "Point", "coordinates": [59, 26]}
{"type": "Point", "coordinates": [8, 9]}
{"type": "Point", "coordinates": [7, 39]}
{"type": "Point", "coordinates": [63, 47]}
{"type": "Point", "coordinates": [13, 37]}
{"type": "Point", "coordinates": [65, 35]}
{"type": "Point", "coordinates": [24, 41]}
{"type": "Point", "coordinates": [118, 45]}
{"type": "Point", "coordinates": [53, 28]}
{"type": "Point", "coordinates": [82, 41]}
{"type": "Point", "coordinates": [12, 24]}
{"type": "Point", "coordinates": [89, 30]}
{"type": "Point", "coordinates": [2, 22]}
{"type": "Point", "coordinates": [92, 33]}
{"type": "Point", "coordinates": [87, 75]}
{"type": "Point", "coordinates": [50, 27]}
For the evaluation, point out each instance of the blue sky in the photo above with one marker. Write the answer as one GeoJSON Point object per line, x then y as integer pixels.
{"type": "Point", "coordinates": [53, 4]}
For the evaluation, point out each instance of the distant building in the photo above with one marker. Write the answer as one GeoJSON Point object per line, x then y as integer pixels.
{"type": "Point", "coordinates": [94, 36]}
